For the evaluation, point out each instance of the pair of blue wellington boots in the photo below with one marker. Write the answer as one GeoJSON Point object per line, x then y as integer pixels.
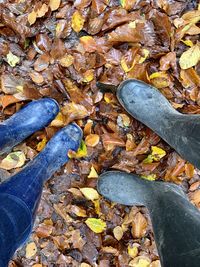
{"type": "Point", "coordinates": [20, 194]}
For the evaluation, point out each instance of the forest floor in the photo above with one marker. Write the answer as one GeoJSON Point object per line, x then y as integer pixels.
{"type": "Point", "coordinates": [61, 49]}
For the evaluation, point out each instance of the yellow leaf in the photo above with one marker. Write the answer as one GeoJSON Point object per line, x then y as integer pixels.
{"type": "Point", "coordinates": [157, 153]}
{"type": "Point", "coordinates": [41, 144]}
{"type": "Point", "coordinates": [132, 251]}
{"type": "Point", "coordinates": [12, 59]}
{"type": "Point", "coordinates": [31, 250]}
{"type": "Point", "coordinates": [13, 160]}
{"type": "Point", "coordinates": [54, 4]}
{"type": "Point", "coordinates": [190, 57]}
{"type": "Point", "coordinates": [118, 232]}
{"type": "Point", "coordinates": [140, 263]}
{"type": "Point", "coordinates": [32, 17]}
{"type": "Point", "coordinates": [96, 225]}
{"type": "Point", "coordinates": [97, 206]}
{"type": "Point", "coordinates": [150, 177]}
{"type": "Point", "coordinates": [160, 79]}
{"type": "Point", "coordinates": [82, 152]}
{"type": "Point", "coordinates": [66, 61]}
{"type": "Point", "coordinates": [89, 193]}
{"type": "Point", "coordinates": [124, 65]}
{"type": "Point", "coordinates": [58, 121]}
{"type": "Point", "coordinates": [93, 173]}
{"type": "Point", "coordinates": [187, 42]}
{"type": "Point", "coordinates": [88, 76]}
{"type": "Point", "coordinates": [77, 21]}
{"type": "Point", "coordinates": [145, 52]}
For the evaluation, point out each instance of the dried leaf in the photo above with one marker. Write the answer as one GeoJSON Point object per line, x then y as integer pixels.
{"type": "Point", "coordinates": [88, 76]}
{"type": "Point", "coordinates": [36, 77]}
{"type": "Point", "coordinates": [42, 62]}
{"type": "Point", "coordinates": [12, 59]}
{"type": "Point", "coordinates": [139, 226]}
{"type": "Point", "coordinates": [83, 264]}
{"type": "Point", "coordinates": [118, 232]}
{"type": "Point", "coordinates": [31, 250]}
{"type": "Point", "coordinates": [81, 153]}
{"type": "Point", "coordinates": [140, 261]}
{"type": "Point", "coordinates": [89, 193]}
{"type": "Point", "coordinates": [13, 160]}
{"type": "Point", "coordinates": [96, 225]}
{"type": "Point", "coordinates": [77, 21]}
{"type": "Point", "coordinates": [132, 251]}
{"type": "Point", "coordinates": [42, 144]}
{"type": "Point", "coordinates": [54, 4]}
{"type": "Point", "coordinates": [66, 61]}
{"type": "Point", "coordinates": [160, 79]}
{"type": "Point", "coordinates": [190, 57]}
{"type": "Point", "coordinates": [80, 212]}
{"type": "Point", "coordinates": [32, 17]}
{"type": "Point", "coordinates": [92, 140]}
{"type": "Point", "coordinates": [59, 121]}
{"type": "Point", "coordinates": [157, 153]}
{"type": "Point", "coordinates": [93, 173]}
{"type": "Point", "coordinates": [88, 43]}
{"type": "Point", "coordinates": [42, 11]}
{"type": "Point", "coordinates": [74, 111]}
{"type": "Point", "coordinates": [128, 4]}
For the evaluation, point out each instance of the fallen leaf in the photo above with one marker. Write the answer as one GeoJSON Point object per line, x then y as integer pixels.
{"type": "Point", "coordinates": [83, 264]}
{"type": "Point", "coordinates": [74, 111]}
{"type": "Point", "coordinates": [66, 61]}
{"type": "Point", "coordinates": [160, 79]}
{"type": "Point", "coordinates": [31, 250]}
{"type": "Point", "coordinates": [42, 11]}
{"type": "Point", "coordinates": [13, 160]}
{"type": "Point", "coordinates": [140, 261]}
{"type": "Point", "coordinates": [59, 120]}
{"type": "Point", "coordinates": [128, 4]}
{"type": "Point", "coordinates": [96, 225]}
{"type": "Point", "coordinates": [89, 193]}
{"type": "Point", "coordinates": [132, 251]}
{"type": "Point", "coordinates": [93, 173]}
{"type": "Point", "coordinates": [78, 211]}
{"type": "Point", "coordinates": [118, 232]}
{"type": "Point", "coordinates": [88, 43]}
{"type": "Point", "coordinates": [157, 153]}
{"type": "Point", "coordinates": [41, 145]}
{"type": "Point", "coordinates": [42, 62]}
{"type": "Point", "coordinates": [36, 77]}
{"type": "Point", "coordinates": [12, 59]}
{"type": "Point", "coordinates": [139, 226]}
{"type": "Point", "coordinates": [54, 4]}
{"type": "Point", "coordinates": [92, 140]}
{"type": "Point", "coordinates": [81, 153]}
{"type": "Point", "coordinates": [190, 57]}
{"type": "Point", "coordinates": [77, 21]}
{"type": "Point", "coordinates": [145, 53]}
{"type": "Point", "coordinates": [150, 177]}
{"type": "Point", "coordinates": [32, 17]}
{"type": "Point", "coordinates": [88, 76]}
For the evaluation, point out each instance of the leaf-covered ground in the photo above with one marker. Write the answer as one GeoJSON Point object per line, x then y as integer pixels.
{"type": "Point", "coordinates": [61, 49]}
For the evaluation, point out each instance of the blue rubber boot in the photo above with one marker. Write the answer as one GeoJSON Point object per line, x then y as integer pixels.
{"type": "Point", "coordinates": [20, 195]}
{"type": "Point", "coordinates": [31, 118]}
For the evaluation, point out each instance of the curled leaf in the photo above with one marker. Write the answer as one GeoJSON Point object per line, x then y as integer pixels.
{"type": "Point", "coordinates": [92, 140]}
{"type": "Point", "coordinates": [96, 225]}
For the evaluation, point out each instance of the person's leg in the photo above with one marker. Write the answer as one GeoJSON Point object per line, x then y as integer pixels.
{"type": "Point", "coordinates": [176, 222]}
{"type": "Point", "coordinates": [21, 193]}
